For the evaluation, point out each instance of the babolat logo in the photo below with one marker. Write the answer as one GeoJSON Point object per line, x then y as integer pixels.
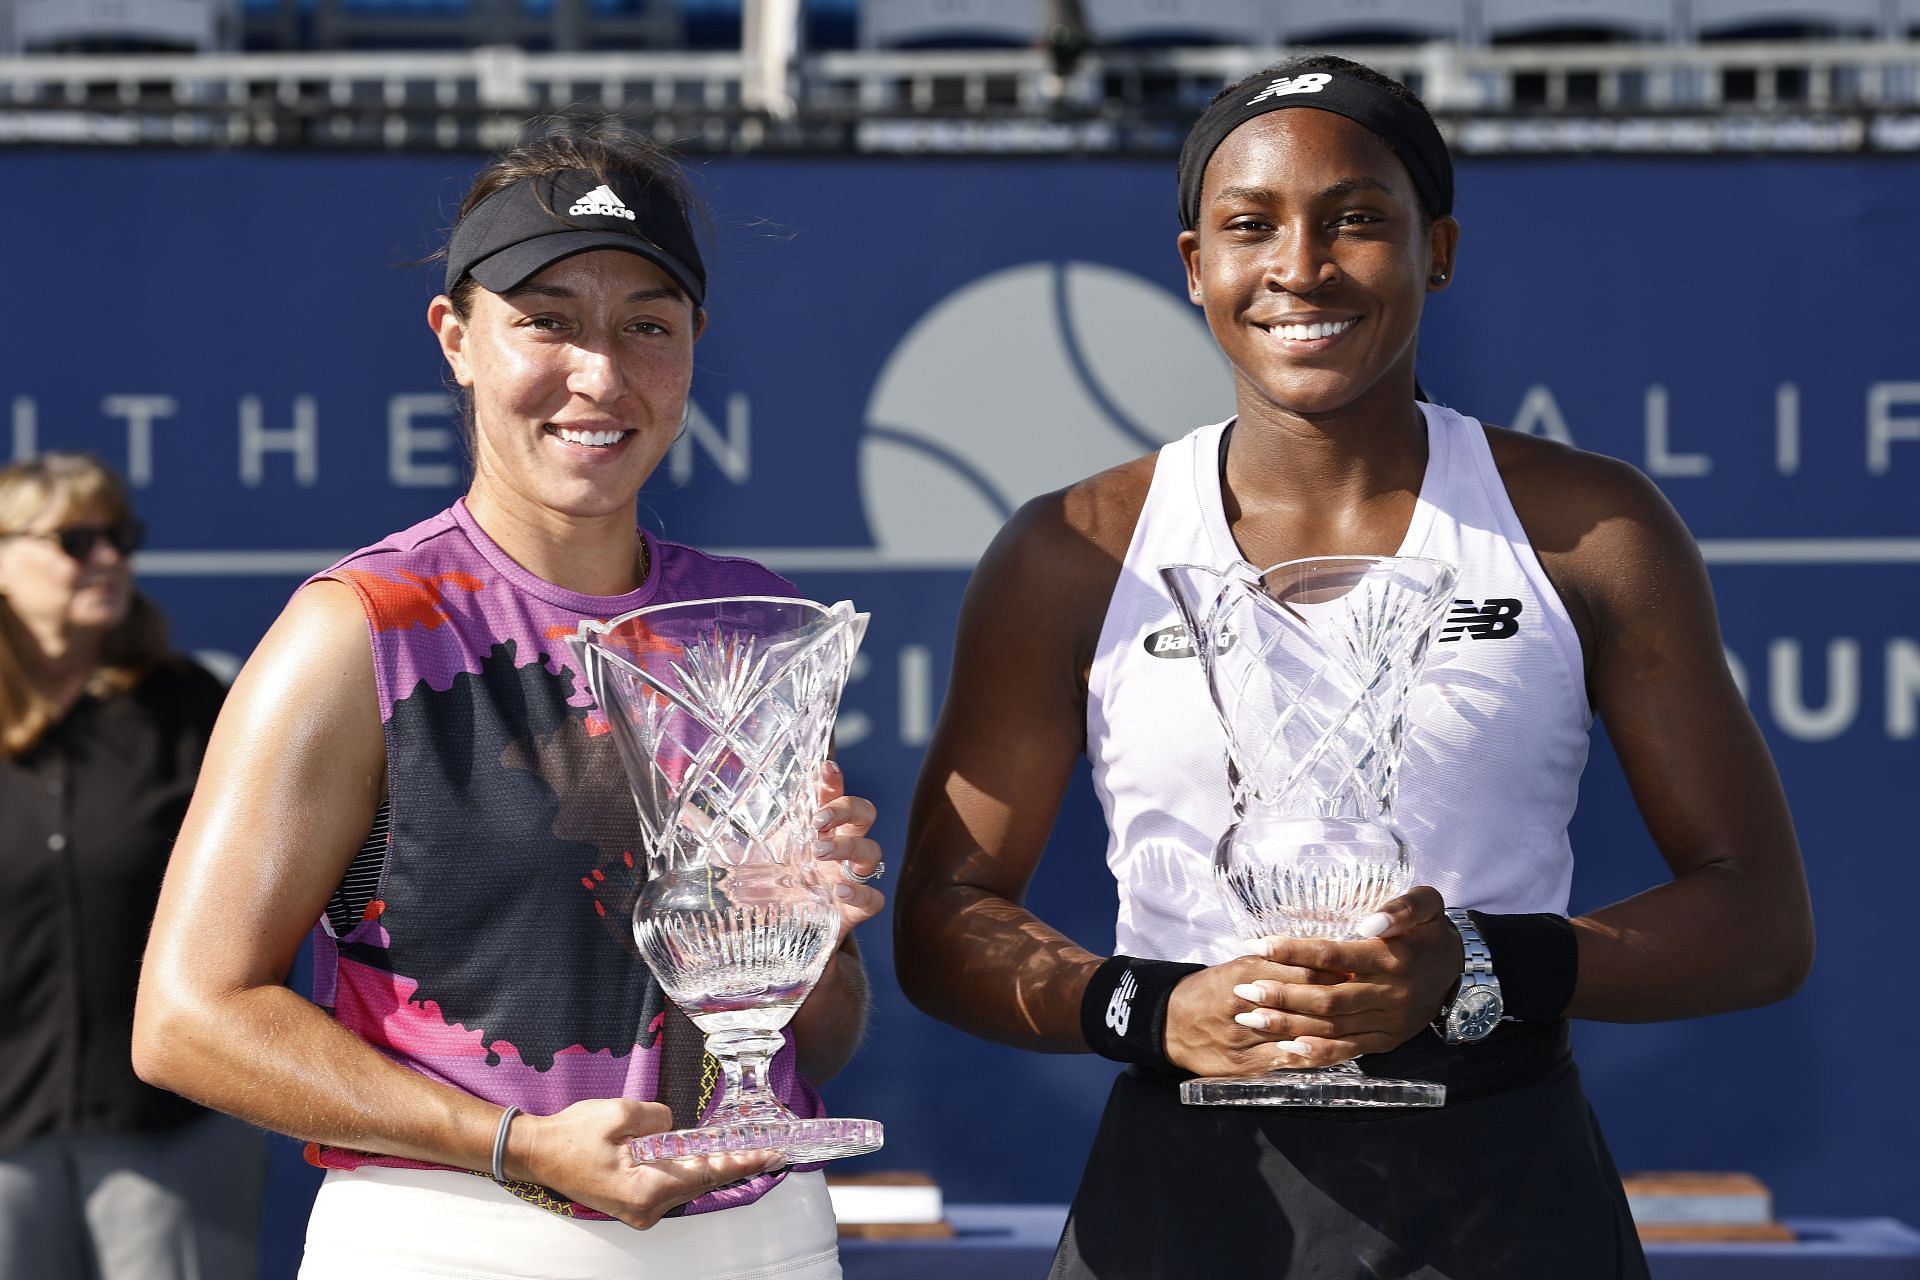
{"type": "Point", "coordinates": [600, 202]}
{"type": "Point", "coordinates": [1492, 620]}
{"type": "Point", "coordinates": [1174, 642]}
{"type": "Point", "coordinates": [1313, 82]}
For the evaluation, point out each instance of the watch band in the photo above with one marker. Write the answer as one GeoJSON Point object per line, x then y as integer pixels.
{"type": "Point", "coordinates": [1476, 1007]}
{"type": "Point", "coordinates": [1479, 958]}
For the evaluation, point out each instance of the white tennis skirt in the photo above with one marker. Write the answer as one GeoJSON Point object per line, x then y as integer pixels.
{"type": "Point", "coordinates": [375, 1222]}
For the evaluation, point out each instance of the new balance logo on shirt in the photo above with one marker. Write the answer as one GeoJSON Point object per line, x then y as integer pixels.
{"type": "Point", "coordinates": [600, 202]}
{"type": "Point", "coordinates": [1120, 1004]}
{"type": "Point", "coordinates": [1490, 620]}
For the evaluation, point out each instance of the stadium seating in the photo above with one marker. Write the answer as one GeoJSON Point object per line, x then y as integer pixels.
{"type": "Point", "coordinates": [1514, 21]}
{"type": "Point", "coordinates": [1721, 18]}
{"type": "Point", "coordinates": [77, 26]}
{"type": "Point", "coordinates": [889, 24]}
{"type": "Point", "coordinates": [1369, 21]}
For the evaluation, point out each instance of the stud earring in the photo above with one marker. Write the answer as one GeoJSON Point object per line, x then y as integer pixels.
{"type": "Point", "coordinates": [1439, 277]}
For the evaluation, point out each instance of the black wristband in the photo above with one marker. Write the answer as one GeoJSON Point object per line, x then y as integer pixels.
{"type": "Point", "coordinates": [1123, 1015]}
{"type": "Point", "coordinates": [1537, 959]}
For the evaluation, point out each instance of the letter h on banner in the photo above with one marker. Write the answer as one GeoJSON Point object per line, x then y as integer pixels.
{"type": "Point", "coordinates": [302, 440]}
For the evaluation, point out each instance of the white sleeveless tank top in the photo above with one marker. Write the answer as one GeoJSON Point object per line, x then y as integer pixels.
{"type": "Point", "coordinates": [1497, 735]}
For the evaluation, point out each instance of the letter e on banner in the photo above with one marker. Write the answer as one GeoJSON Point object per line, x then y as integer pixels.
{"type": "Point", "coordinates": [405, 442]}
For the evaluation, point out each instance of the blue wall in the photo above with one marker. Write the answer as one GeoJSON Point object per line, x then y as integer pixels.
{"type": "Point", "coordinates": [901, 350]}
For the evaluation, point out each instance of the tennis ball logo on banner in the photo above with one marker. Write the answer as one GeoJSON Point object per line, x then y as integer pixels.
{"type": "Point", "coordinates": [1023, 382]}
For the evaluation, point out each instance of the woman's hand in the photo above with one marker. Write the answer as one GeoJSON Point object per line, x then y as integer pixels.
{"type": "Point", "coordinates": [1206, 1035]}
{"type": "Point", "coordinates": [581, 1153]}
{"type": "Point", "coordinates": [841, 828]}
{"type": "Point", "coordinates": [1310, 1002]}
{"type": "Point", "coordinates": [829, 1023]}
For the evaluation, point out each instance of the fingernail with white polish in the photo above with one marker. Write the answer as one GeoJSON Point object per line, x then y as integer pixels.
{"type": "Point", "coordinates": [1374, 925]}
{"type": "Point", "coordinates": [1292, 1046]}
{"type": "Point", "coordinates": [1248, 992]}
{"type": "Point", "coordinates": [843, 891]}
{"type": "Point", "coordinates": [821, 848]}
{"type": "Point", "coordinates": [823, 819]}
{"type": "Point", "coordinates": [1253, 1019]}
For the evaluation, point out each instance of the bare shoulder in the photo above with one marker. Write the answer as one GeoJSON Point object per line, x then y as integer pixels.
{"type": "Point", "coordinates": [1099, 512]}
{"type": "Point", "coordinates": [1058, 538]}
{"type": "Point", "coordinates": [1051, 570]}
{"type": "Point", "coordinates": [1561, 492]}
{"type": "Point", "coordinates": [322, 623]}
{"type": "Point", "coordinates": [310, 681]}
{"type": "Point", "coordinates": [1606, 535]}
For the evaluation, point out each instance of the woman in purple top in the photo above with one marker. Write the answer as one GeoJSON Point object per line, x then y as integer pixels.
{"type": "Point", "coordinates": [411, 760]}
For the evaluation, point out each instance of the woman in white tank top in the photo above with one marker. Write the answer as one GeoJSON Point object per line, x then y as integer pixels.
{"type": "Point", "coordinates": [1317, 200]}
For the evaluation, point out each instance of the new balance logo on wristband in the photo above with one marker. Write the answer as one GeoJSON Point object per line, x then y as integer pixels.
{"type": "Point", "coordinates": [1492, 620]}
{"type": "Point", "coordinates": [1124, 1010]}
{"type": "Point", "coordinates": [1120, 1004]}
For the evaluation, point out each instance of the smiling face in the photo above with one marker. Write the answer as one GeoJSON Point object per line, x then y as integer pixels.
{"type": "Point", "coordinates": [56, 596]}
{"type": "Point", "coordinates": [1312, 260]}
{"type": "Point", "coordinates": [579, 380]}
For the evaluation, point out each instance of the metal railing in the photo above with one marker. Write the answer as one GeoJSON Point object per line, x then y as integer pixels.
{"type": "Point", "coordinates": [1840, 95]}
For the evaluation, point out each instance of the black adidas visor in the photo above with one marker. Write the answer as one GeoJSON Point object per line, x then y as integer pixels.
{"type": "Point", "coordinates": [521, 230]}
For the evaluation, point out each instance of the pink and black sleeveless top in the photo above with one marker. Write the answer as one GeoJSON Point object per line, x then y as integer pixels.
{"type": "Point", "coordinates": [484, 938]}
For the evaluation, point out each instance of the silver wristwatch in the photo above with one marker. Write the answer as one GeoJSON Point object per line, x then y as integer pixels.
{"type": "Point", "coordinates": [1476, 1006]}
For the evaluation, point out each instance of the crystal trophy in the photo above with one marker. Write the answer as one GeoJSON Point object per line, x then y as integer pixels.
{"type": "Point", "coordinates": [1310, 665]}
{"type": "Point", "coordinates": [722, 711]}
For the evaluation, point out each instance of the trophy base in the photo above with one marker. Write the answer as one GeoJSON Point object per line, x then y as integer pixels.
{"type": "Point", "coordinates": [801, 1141]}
{"type": "Point", "coordinates": [1312, 1087]}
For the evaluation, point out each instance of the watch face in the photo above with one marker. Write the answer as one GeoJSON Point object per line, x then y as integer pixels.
{"type": "Point", "coordinates": [1475, 1013]}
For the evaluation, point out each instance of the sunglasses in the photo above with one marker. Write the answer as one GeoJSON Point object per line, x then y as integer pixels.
{"type": "Point", "coordinates": [79, 541]}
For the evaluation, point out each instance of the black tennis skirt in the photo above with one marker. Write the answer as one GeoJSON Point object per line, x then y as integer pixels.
{"type": "Point", "coordinates": [1508, 1181]}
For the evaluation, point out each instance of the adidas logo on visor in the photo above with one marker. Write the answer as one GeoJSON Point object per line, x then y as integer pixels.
{"type": "Point", "coordinates": [600, 202]}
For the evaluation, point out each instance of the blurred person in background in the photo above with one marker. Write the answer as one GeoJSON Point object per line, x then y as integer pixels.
{"type": "Point", "coordinates": [102, 731]}
{"type": "Point", "coordinates": [1316, 199]}
{"type": "Point", "coordinates": [410, 759]}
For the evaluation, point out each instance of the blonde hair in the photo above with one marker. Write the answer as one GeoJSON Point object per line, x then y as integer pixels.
{"type": "Point", "coordinates": [69, 482]}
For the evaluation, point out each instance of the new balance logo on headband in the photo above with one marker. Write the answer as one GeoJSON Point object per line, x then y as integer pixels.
{"type": "Point", "coordinates": [1494, 620]}
{"type": "Point", "coordinates": [1312, 82]}
{"type": "Point", "coordinates": [600, 202]}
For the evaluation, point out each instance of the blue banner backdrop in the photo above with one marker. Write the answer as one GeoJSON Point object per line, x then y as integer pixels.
{"type": "Point", "coordinates": [901, 351]}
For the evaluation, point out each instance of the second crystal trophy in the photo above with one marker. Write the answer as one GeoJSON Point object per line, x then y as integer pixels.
{"type": "Point", "coordinates": [722, 711]}
{"type": "Point", "coordinates": [1310, 665]}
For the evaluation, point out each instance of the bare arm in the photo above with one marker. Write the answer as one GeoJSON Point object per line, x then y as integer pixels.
{"type": "Point", "coordinates": [827, 1028]}
{"type": "Point", "coordinates": [828, 1025]}
{"type": "Point", "coordinates": [291, 782]}
{"type": "Point", "coordinates": [966, 949]}
{"type": "Point", "coordinates": [1734, 927]}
